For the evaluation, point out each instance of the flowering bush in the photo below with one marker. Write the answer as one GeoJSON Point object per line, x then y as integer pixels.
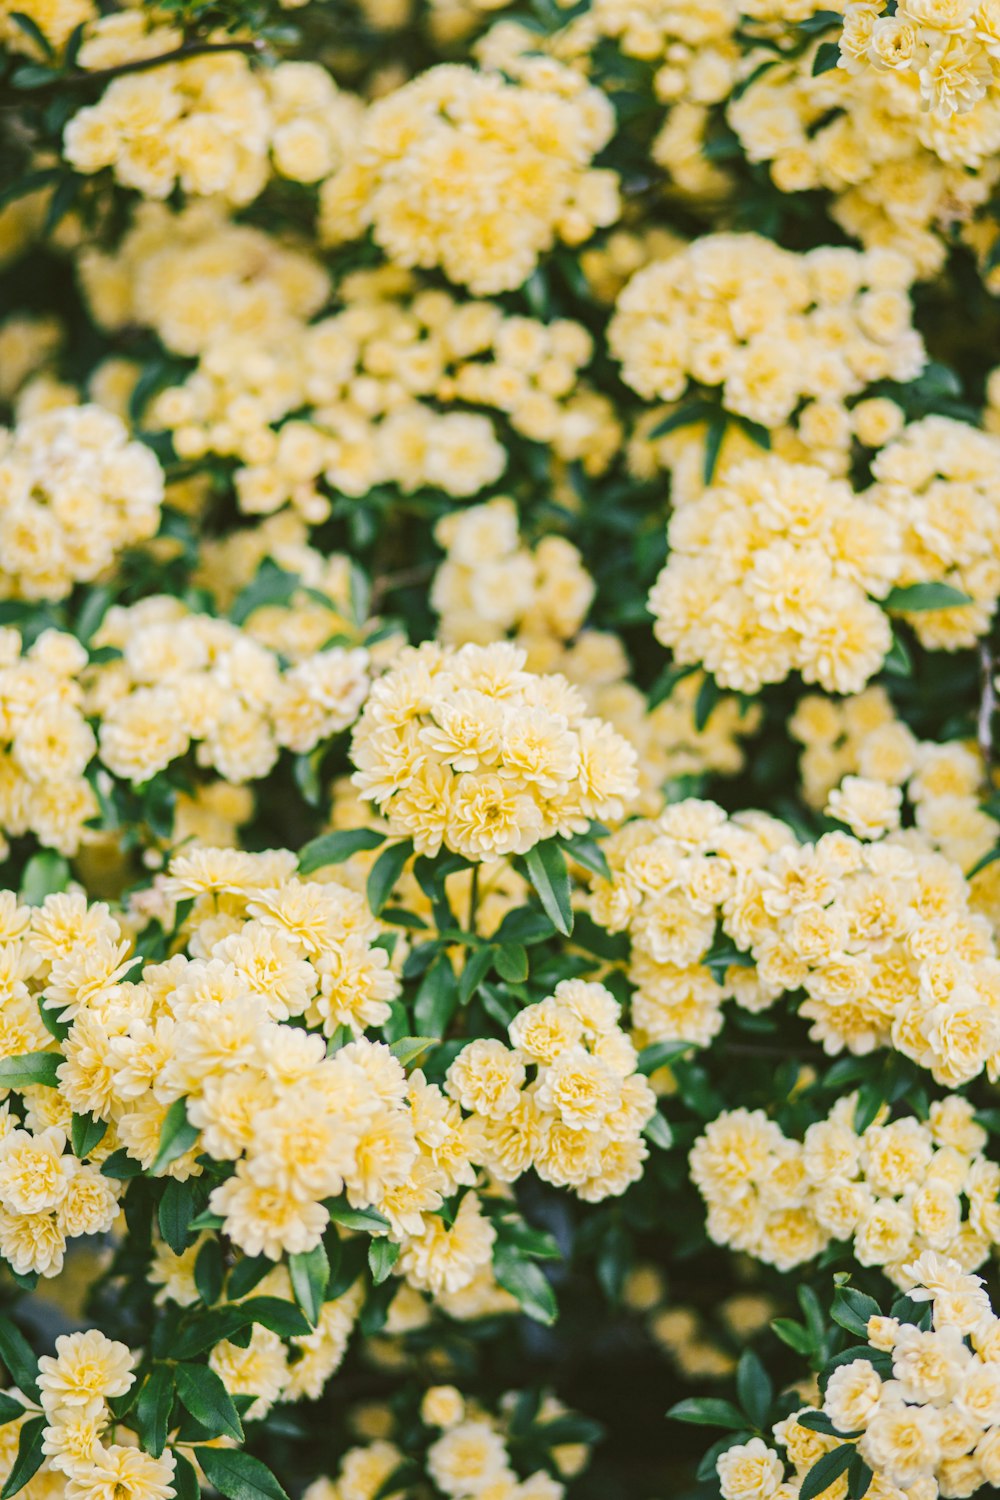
{"type": "Point", "coordinates": [499, 796]}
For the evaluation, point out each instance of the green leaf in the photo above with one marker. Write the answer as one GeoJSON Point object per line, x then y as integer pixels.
{"type": "Point", "coordinates": [203, 1394]}
{"type": "Point", "coordinates": [19, 1357]}
{"type": "Point", "coordinates": [238, 1476]}
{"type": "Point", "coordinates": [477, 966]}
{"type": "Point", "coordinates": [512, 962]}
{"type": "Point", "coordinates": [546, 865]}
{"type": "Point", "coordinates": [29, 1456]}
{"type": "Point", "coordinates": [437, 998]}
{"type": "Point", "coordinates": [658, 1131]}
{"type": "Point", "coordinates": [709, 695]}
{"type": "Point", "coordinates": [859, 1478]}
{"type": "Point", "coordinates": [121, 1166]}
{"type": "Point", "coordinates": [152, 1409]}
{"type": "Point", "coordinates": [754, 1388]}
{"type": "Point", "coordinates": [666, 682]}
{"type": "Point", "coordinates": [707, 1411]}
{"type": "Point", "coordinates": [527, 1282]}
{"type": "Point", "coordinates": [86, 1132]}
{"type": "Point", "coordinates": [34, 31]}
{"type": "Point", "coordinates": [587, 852]}
{"type": "Point", "coordinates": [272, 585]}
{"type": "Point", "coordinates": [10, 1409]}
{"type": "Point", "coordinates": [29, 1070]}
{"type": "Point", "coordinates": [382, 1256]}
{"type": "Point", "coordinates": [825, 1471]}
{"type": "Point", "coordinates": [209, 1272]}
{"type": "Point", "coordinates": [685, 416]}
{"type": "Point", "coordinates": [175, 1212]}
{"type": "Point", "coordinates": [246, 1274]}
{"type": "Point", "coordinates": [408, 1048]}
{"type": "Point", "coordinates": [334, 848]}
{"type": "Point", "coordinates": [367, 1219]}
{"type": "Point", "coordinates": [44, 875]}
{"type": "Point", "coordinates": [186, 1486]}
{"type": "Point", "coordinates": [818, 1421]}
{"type": "Point", "coordinates": [795, 1335]}
{"type": "Point", "coordinates": [827, 57]}
{"type": "Point", "coordinates": [982, 864]}
{"type": "Point", "coordinates": [852, 1310]}
{"type": "Point", "coordinates": [310, 1276]}
{"type": "Point", "coordinates": [714, 438]}
{"type": "Point", "coordinates": [898, 660]}
{"type": "Point", "coordinates": [177, 1136]}
{"type": "Point", "coordinates": [920, 596]}
{"type": "Point", "coordinates": [385, 872]}
{"type": "Point", "coordinates": [658, 1054]}
{"type": "Point", "coordinates": [871, 1097]}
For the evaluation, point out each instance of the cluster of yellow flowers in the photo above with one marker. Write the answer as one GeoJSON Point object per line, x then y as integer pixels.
{"type": "Point", "coordinates": [860, 748]}
{"type": "Point", "coordinates": [476, 174]}
{"type": "Point", "coordinates": [362, 384]}
{"type": "Point", "coordinates": [951, 47]}
{"type": "Point", "coordinates": [181, 678]}
{"type": "Point", "coordinates": [940, 481]}
{"type": "Point", "coordinates": [771, 327]}
{"type": "Point", "coordinates": [210, 125]}
{"type": "Point", "coordinates": [196, 277]}
{"type": "Point", "coordinates": [74, 492]}
{"type": "Point", "coordinates": [898, 175]}
{"type": "Point", "coordinates": [467, 749]}
{"type": "Point", "coordinates": [880, 936]}
{"type": "Point", "coordinates": [491, 584]}
{"type": "Point", "coordinates": [894, 1190]}
{"type": "Point", "coordinates": [75, 1386]}
{"type": "Point", "coordinates": [578, 1120]}
{"type": "Point", "coordinates": [47, 743]}
{"type": "Point", "coordinates": [464, 1452]}
{"type": "Point", "coordinates": [923, 1407]}
{"type": "Point", "coordinates": [794, 587]}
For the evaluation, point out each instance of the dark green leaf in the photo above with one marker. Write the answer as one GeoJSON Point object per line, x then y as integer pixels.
{"type": "Point", "coordinates": [29, 1456]}
{"type": "Point", "coordinates": [29, 1070]}
{"type": "Point", "coordinates": [34, 31]}
{"type": "Point", "coordinates": [512, 962]}
{"type": "Point", "coordinates": [898, 660]}
{"type": "Point", "coordinates": [152, 1409]}
{"type": "Point", "coordinates": [86, 1132]}
{"type": "Point", "coordinates": [714, 438]}
{"type": "Point", "coordinates": [437, 998]}
{"type": "Point", "coordinates": [19, 1357]}
{"type": "Point", "coordinates": [707, 1411]}
{"type": "Point", "coordinates": [982, 864]}
{"type": "Point", "coordinates": [246, 1274]}
{"type": "Point", "coordinates": [334, 848]}
{"type": "Point", "coordinates": [177, 1136]}
{"type": "Point", "coordinates": [209, 1272]}
{"type": "Point", "coordinates": [310, 1277]}
{"type": "Point", "coordinates": [44, 874]}
{"type": "Point", "coordinates": [657, 1054]}
{"type": "Point", "coordinates": [658, 1131]}
{"type": "Point", "coordinates": [795, 1335]}
{"type": "Point", "coordinates": [546, 865]}
{"type": "Point", "coordinates": [859, 1478]}
{"type": "Point", "coordinates": [408, 1048]}
{"type": "Point", "coordinates": [238, 1476]}
{"type": "Point", "coordinates": [186, 1485]}
{"type": "Point", "coordinates": [385, 872]}
{"type": "Point", "coordinates": [175, 1212]}
{"type": "Point", "coordinates": [382, 1256]}
{"type": "Point", "coordinates": [477, 966]}
{"type": "Point", "coordinates": [10, 1409]}
{"type": "Point", "coordinates": [355, 1218]}
{"type": "Point", "coordinates": [709, 695]}
{"type": "Point", "coordinates": [666, 682]}
{"type": "Point", "coordinates": [827, 57]}
{"type": "Point", "coordinates": [825, 1470]}
{"type": "Point", "coordinates": [852, 1310]}
{"type": "Point", "coordinates": [120, 1165]}
{"type": "Point", "coordinates": [754, 1388]}
{"type": "Point", "coordinates": [685, 416]}
{"type": "Point", "coordinates": [525, 1281]}
{"type": "Point", "coordinates": [920, 596]}
{"type": "Point", "coordinates": [203, 1394]}
{"type": "Point", "coordinates": [588, 852]}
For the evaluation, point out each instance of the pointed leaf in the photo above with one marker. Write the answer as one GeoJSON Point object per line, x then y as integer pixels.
{"type": "Point", "coordinates": [334, 848]}
{"type": "Point", "coordinates": [177, 1136]}
{"type": "Point", "coordinates": [203, 1394]}
{"type": "Point", "coordinates": [546, 865]}
{"type": "Point", "coordinates": [238, 1476]}
{"type": "Point", "coordinates": [310, 1276]}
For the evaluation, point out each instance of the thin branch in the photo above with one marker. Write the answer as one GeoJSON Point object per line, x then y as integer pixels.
{"type": "Point", "coordinates": [987, 707]}
{"type": "Point", "coordinates": [387, 583]}
{"type": "Point", "coordinates": [139, 65]}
